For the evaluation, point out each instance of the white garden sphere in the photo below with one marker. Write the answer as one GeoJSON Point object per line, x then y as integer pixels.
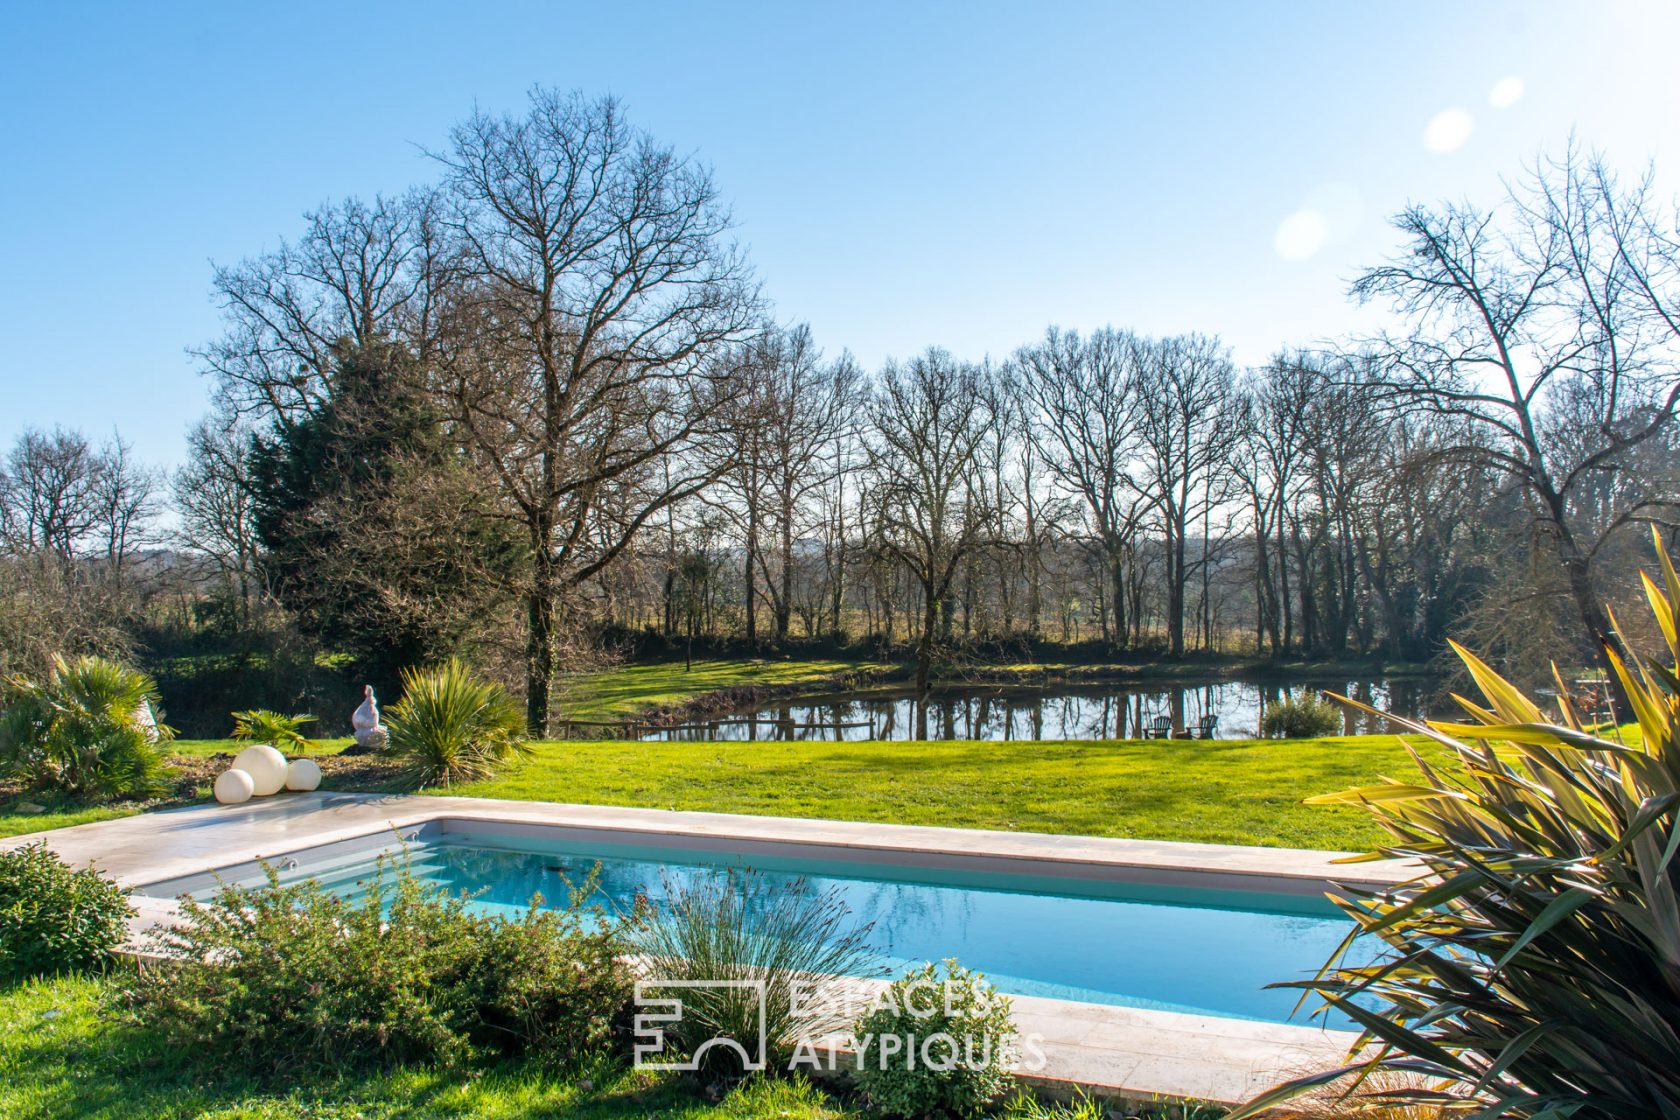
{"type": "Point", "coordinates": [303, 775]}
{"type": "Point", "coordinates": [266, 766]}
{"type": "Point", "coordinates": [234, 787]}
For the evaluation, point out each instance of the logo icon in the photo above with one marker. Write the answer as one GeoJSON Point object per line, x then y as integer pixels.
{"type": "Point", "coordinates": [656, 1012]}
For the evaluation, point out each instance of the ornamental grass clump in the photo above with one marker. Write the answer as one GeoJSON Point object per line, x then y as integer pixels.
{"type": "Point", "coordinates": [1535, 963]}
{"type": "Point", "coordinates": [452, 727]}
{"type": "Point", "coordinates": [784, 940]}
{"type": "Point", "coordinates": [87, 730]}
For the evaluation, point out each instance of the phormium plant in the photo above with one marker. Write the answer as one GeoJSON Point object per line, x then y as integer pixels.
{"type": "Point", "coordinates": [1535, 964]}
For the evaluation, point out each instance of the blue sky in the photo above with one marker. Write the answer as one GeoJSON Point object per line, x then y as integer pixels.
{"type": "Point", "coordinates": [904, 174]}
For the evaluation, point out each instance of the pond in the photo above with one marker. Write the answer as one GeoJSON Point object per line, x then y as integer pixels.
{"type": "Point", "coordinates": [1214, 709]}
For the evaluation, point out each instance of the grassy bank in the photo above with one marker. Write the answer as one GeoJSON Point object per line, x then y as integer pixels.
{"type": "Point", "coordinates": [1223, 792]}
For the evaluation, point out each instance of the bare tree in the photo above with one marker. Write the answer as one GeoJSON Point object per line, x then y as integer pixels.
{"type": "Point", "coordinates": [362, 273]}
{"type": "Point", "coordinates": [212, 493]}
{"type": "Point", "coordinates": [1083, 397]}
{"type": "Point", "coordinates": [600, 291]}
{"type": "Point", "coordinates": [50, 493]}
{"type": "Point", "coordinates": [806, 409]}
{"type": "Point", "coordinates": [126, 504]}
{"type": "Point", "coordinates": [929, 419]}
{"type": "Point", "coordinates": [1544, 327]}
{"type": "Point", "coordinates": [1185, 426]}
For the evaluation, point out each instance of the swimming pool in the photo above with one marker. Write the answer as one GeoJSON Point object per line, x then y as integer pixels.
{"type": "Point", "coordinates": [1032, 931]}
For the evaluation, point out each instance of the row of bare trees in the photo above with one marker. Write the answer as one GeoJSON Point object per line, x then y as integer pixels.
{"type": "Point", "coordinates": [542, 400]}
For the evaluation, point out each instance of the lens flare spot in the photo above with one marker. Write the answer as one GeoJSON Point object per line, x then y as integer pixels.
{"type": "Point", "coordinates": [1301, 235]}
{"type": "Point", "coordinates": [1506, 92]}
{"type": "Point", "coordinates": [1448, 131]}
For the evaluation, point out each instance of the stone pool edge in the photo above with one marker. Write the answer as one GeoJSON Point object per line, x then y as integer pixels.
{"type": "Point", "coordinates": [1128, 1052]}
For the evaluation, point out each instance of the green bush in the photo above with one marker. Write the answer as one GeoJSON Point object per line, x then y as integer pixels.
{"type": "Point", "coordinates": [1535, 960]}
{"type": "Point", "coordinates": [1303, 716]}
{"type": "Point", "coordinates": [274, 728]}
{"type": "Point", "coordinates": [742, 926]}
{"type": "Point", "coordinates": [452, 727]}
{"type": "Point", "coordinates": [84, 730]}
{"type": "Point", "coordinates": [53, 918]}
{"type": "Point", "coordinates": [279, 977]}
{"type": "Point", "coordinates": [941, 1043]}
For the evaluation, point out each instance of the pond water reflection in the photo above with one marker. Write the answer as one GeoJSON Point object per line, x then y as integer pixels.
{"type": "Point", "coordinates": [1216, 709]}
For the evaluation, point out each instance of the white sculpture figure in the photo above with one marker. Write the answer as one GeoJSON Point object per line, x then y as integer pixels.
{"type": "Point", "coordinates": [303, 775]}
{"type": "Point", "coordinates": [364, 722]}
{"type": "Point", "coordinates": [233, 787]}
{"type": "Point", "coordinates": [266, 766]}
{"type": "Point", "coordinates": [147, 721]}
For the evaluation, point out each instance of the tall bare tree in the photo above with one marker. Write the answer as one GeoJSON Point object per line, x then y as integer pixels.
{"type": "Point", "coordinates": [1185, 426]}
{"type": "Point", "coordinates": [212, 494]}
{"type": "Point", "coordinates": [929, 420]}
{"type": "Point", "coordinates": [600, 291]}
{"type": "Point", "coordinates": [362, 274]}
{"type": "Point", "coordinates": [1084, 408]}
{"type": "Point", "coordinates": [1544, 327]}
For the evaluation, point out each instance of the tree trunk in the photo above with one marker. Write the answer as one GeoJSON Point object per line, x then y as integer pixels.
{"type": "Point", "coordinates": [539, 649]}
{"type": "Point", "coordinates": [751, 573]}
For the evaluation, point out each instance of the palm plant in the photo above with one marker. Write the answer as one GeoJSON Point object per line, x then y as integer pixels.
{"type": "Point", "coordinates": [453, 727]}
{"type": "Point", "coordinates": [85, 730]}
{"type": "Point", "coordinates": [285, 732]}
{"type": "Point", "coordinates": [786, 940]}
{"type": "Point", "coordinates": [1535, 964]}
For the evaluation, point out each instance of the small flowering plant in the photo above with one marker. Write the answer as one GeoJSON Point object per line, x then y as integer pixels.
{"type": "Point", "coordinates": [940, 1041]}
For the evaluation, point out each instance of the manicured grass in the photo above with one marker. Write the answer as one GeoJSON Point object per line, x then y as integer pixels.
{"type": "Point", "coordinates": [624, 691]}
{"type": "Point", "coordinates": [1224, 792]}
{"type": "Point", "coordinates": [203, 748]}
{"type": "Point", "coordinates": [60, 1057]}
{"type": "Point", "coordinates": [16, 823]}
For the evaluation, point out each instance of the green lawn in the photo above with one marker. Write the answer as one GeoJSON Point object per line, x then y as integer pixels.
{"type": "Point", "coordinates": [14, 822]}
{"type": "Point", "coordinates": [60, 1057]}
{"type": "Point", "coordinates": [1219, 791]}
{"type": "Point", "coordinates": [1226, 792]}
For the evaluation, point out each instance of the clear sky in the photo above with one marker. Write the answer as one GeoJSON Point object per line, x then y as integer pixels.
{"type": "Point", "coordinates": [905, 174]}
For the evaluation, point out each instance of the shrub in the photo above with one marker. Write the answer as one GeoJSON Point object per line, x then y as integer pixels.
{"type": "Point", "coordinates": [1303, 716]}
{"type": "Point", "coordinates": [285, 732]}
{"type": "Point", "coordinates": [941, 1043]}
{"type": "Point", "coordinates": [741, 926]}
{"type": "Point", "coordinates": [296, 976]}
{"type": "Point", "coordinates": [54, 918]}
{"type": "Point", "coordinates": [85, 730]}
{"type": "Point", "coordinates": [1535, 958]}
{"type": "Point", "coordinates": [452, 727]}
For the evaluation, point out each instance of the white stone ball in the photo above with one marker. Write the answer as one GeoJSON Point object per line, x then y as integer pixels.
{"type": "Point", "coordinates": [266, 766]}
{"type": "Point", "coordinates": [234, 787]}
{"type": "Point", "coordinates": [303, 775]}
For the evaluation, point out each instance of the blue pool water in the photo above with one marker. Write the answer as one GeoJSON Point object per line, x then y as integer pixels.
{"type": "Point", "coordinates": [1175, 949]}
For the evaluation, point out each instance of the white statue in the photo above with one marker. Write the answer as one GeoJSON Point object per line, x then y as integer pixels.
{"type": "Point", "coordinates": [364, 722]}
{"type": "Point", "coordinates": [146, 721]}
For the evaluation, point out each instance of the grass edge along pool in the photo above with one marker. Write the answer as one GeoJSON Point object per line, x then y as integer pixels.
{"type": "Point", "coordinates": [1181, 941]}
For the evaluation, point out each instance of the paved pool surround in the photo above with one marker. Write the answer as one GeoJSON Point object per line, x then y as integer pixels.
{"type": "Point", "coordinates": [1130, 1052]}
